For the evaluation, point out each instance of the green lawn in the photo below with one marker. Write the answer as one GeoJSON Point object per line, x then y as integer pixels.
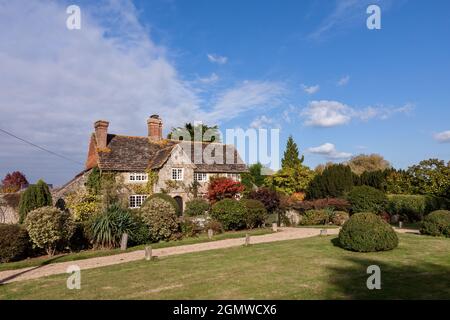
{"type": "Point", "coordinates": [312, 268]}
{"type": "Point", "coordinates": [44, 260]}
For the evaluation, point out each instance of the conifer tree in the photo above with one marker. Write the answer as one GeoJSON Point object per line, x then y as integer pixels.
{"type": "Point", "coordinates": [36, 196]}
{"type": "Point", "coordinates": [291, 155]}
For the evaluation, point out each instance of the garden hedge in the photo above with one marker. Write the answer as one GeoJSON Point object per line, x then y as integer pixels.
{"type": "Point", "coordinates": [367, 232]}
{"type": "Point", "coordinates": [196, 207]}
{"type": "Point", "coordinates": [436, 224]}
{"type": "Point", "coordinates": [414, 207]}
{"type": "Point", "coordinates": [315, 217]}
{"type": "Point", "coordinates": [255, 213]}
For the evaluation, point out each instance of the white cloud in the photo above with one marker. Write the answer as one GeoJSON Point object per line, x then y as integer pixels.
{"type": "Point", "coordinates": [325, 113]}
{"type": "Point", "coordinates": [211, 79]}
{"type": "Point", "coordinates": [214, 58]}
{"type": "Point", "coordinates": [443, 137]}
{"type": "Point", "coordinates": [343, 81]}
{"type": "Point", "coordinates": [346, 14]}
{"type": "Point", "coordinates": [329, 151]}
{"type": "Point", "coordinates": [261, 122]}
{"type": "Point", "coordinates": [310, 89]}
{"type": "Point", "coordinates": [244, 97]}
{"type": "Point", "coordinates": [56, 82]}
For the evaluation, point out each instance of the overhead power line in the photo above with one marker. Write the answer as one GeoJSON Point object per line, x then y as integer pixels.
{"type": "Point", "coordinates": [39, 147]}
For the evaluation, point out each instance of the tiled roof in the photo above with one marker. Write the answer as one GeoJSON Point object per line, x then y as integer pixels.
{"type": "Point", "coordinates": [126, 153]}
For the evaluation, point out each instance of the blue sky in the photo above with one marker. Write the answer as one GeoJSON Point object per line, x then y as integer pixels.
{"type": "Point", "coordinates": [310, 68]}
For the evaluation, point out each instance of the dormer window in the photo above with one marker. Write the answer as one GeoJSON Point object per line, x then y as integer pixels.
{"type": "Point", "coordinates": [177, 174]}
{"type": "Point", "coordinates": [138, 177]}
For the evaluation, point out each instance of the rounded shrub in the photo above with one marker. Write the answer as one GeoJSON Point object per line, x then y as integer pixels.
{"type": "Point", "coordinates": [367, 232]}
{"type": "Point", "coordinates": [230, 212]}
{"type": "Point", "coordinates": [436, 224]}
{"type": "Point", "coordinates": [214, 225]}
{"type": "Point", "coordinates": [49, 227]}
{"type": "Point", "coordinates": [315, 217]}
{"type": "Point", "coordinates": [167, 198]}
{"type": "Point", "coordinates": [255, 213]}
{"type": "Point", "coordinates": [367, 199]}
{"type": "Point", "coordinates": [339, 218]}
{"type": "Point", "coordinates": [160, 217]}
{"type": "Point", "coordinates": [196, 207]}
{"type": "Point", "coordinates": [15, 244]}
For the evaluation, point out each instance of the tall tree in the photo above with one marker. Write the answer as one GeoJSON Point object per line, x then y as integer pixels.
{"type": "Point", "coordinates": [291, 155]}
{"type": "Point", "coordinates": [364, 162]}
{"type": "Point", "coordinates": [36, 196]}
{"type": "Point", "coordinates": [200, 132]}
{"type": "Point", "coordinates": [14, 182]}
{"type": "Point", "coordinates": [335, 181]}
{"type": "Point", "coordinates": [253, 177]}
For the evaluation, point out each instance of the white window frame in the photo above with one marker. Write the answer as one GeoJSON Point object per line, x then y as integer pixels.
{"type": "Point", "coordinates": [203, 177]}
{"type": "Point", "coordinates": [179, 175]}
{"type": "Point", "coordinates": [136, 200]}
{"type": "Point", "coordinates": [137, 177]}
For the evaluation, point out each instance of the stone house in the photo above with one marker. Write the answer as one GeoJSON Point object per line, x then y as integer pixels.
{"type": "Point", "coordinates": [173, 166]}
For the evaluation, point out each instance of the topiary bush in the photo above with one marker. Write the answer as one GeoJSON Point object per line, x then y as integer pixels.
{"type": "Point", "coordinates": [436, 224]}
{"type": "Point", "coordinates": [230, 212]}
{"type": "Point", "coordinates": [107, 228]}
{"type": "Point", "coordinates": [338, 218]}
{"type": "Point", "coordinates": [49, 227]}
{"type": "Point", "coordinates": [167, 198]}
{"type": "Point", "coordinates": [367, 232]}
{"type": "Point", "coordinates": [160, 217]}
{"type": "Point", "coordinates": [196, 207]}
{"type": "Point", "coordinates": [255, 213]}
{"type": "Point", "coordinates": [315, 217]}
{"type": "Point", "coordinates": [367, 199]}
{"type": "Point", "coordinates": [15, 244]}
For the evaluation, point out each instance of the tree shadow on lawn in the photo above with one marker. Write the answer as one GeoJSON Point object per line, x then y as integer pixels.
{"type": "Point", "coordinates": [19, 273]}
{"type": "Point", "coordinates": [399, 280]}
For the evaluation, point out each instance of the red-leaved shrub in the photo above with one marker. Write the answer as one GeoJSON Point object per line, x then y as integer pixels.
{"type": "Point", "coordinates": [319, 204]}
{"type": "Point", "coordinates": [221, 188]}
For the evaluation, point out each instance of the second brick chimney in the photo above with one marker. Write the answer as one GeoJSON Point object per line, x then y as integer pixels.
{"type": "Point", "coordinates": [101, 133]}
{"type": "Point", "coordinates": [154, 124]}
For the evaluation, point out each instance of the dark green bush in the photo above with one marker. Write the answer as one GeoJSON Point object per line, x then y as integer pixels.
{"type": "Point", "coordinates": [436, 224]}
{"type": "Point", "coordinates": [315, 217]}
{"type": "Point", "coordinates": [169, 199]}
{"type": "Point", "coordinates": [367, 199]}
{"type": "Point", "coordinates": [334, 182]}
{"type": "Point", "coordinates": [230, 212]}
{"type": "Point", "coordinates": [107, 228]}
{"type": "Point", "coordinates": [80, 239]}
{"type": "Point", "coordinates": [255, 213]}
{"type": "Point", "coordinates": [367, 232]}
{"type": "Point", "coordinates": [141, 232]}
{"type": "Point", "coordinates": [196, 207]}
{"type": "Point", "coordinates": [15, 244]}
{"type": "Point", "coordinates": [160, 217]}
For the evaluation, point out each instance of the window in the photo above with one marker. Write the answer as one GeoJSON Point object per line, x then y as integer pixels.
{"type": "Point", "coordinates": [138, 177]}
{"type": "Point", "coordinates": [177, 174]}
{"type": "Point", "coordinates": [200, 177]}
{"type": "Point", "coordinates": [136, 201]}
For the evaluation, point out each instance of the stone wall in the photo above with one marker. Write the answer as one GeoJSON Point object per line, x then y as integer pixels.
{"type": "Point", "coordinates": [77, 183]}
{"type": "Point", "coordinates": [9, 208]}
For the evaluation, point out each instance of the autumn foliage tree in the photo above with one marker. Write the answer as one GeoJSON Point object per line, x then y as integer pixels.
{"type": "Point", "coordinates": [13, 182]}
{"type": "Point", "coordinates": [221, 188]}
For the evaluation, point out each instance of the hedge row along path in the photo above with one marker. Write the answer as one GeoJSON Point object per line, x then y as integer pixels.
{"type": "Point", "coordinates": [58, 268]}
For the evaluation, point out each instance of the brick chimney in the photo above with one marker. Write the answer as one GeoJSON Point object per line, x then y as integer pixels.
{"type": "Point", "coordinates": [154, 124]}
{"type": "Point", "coordinates": [101, 133]}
